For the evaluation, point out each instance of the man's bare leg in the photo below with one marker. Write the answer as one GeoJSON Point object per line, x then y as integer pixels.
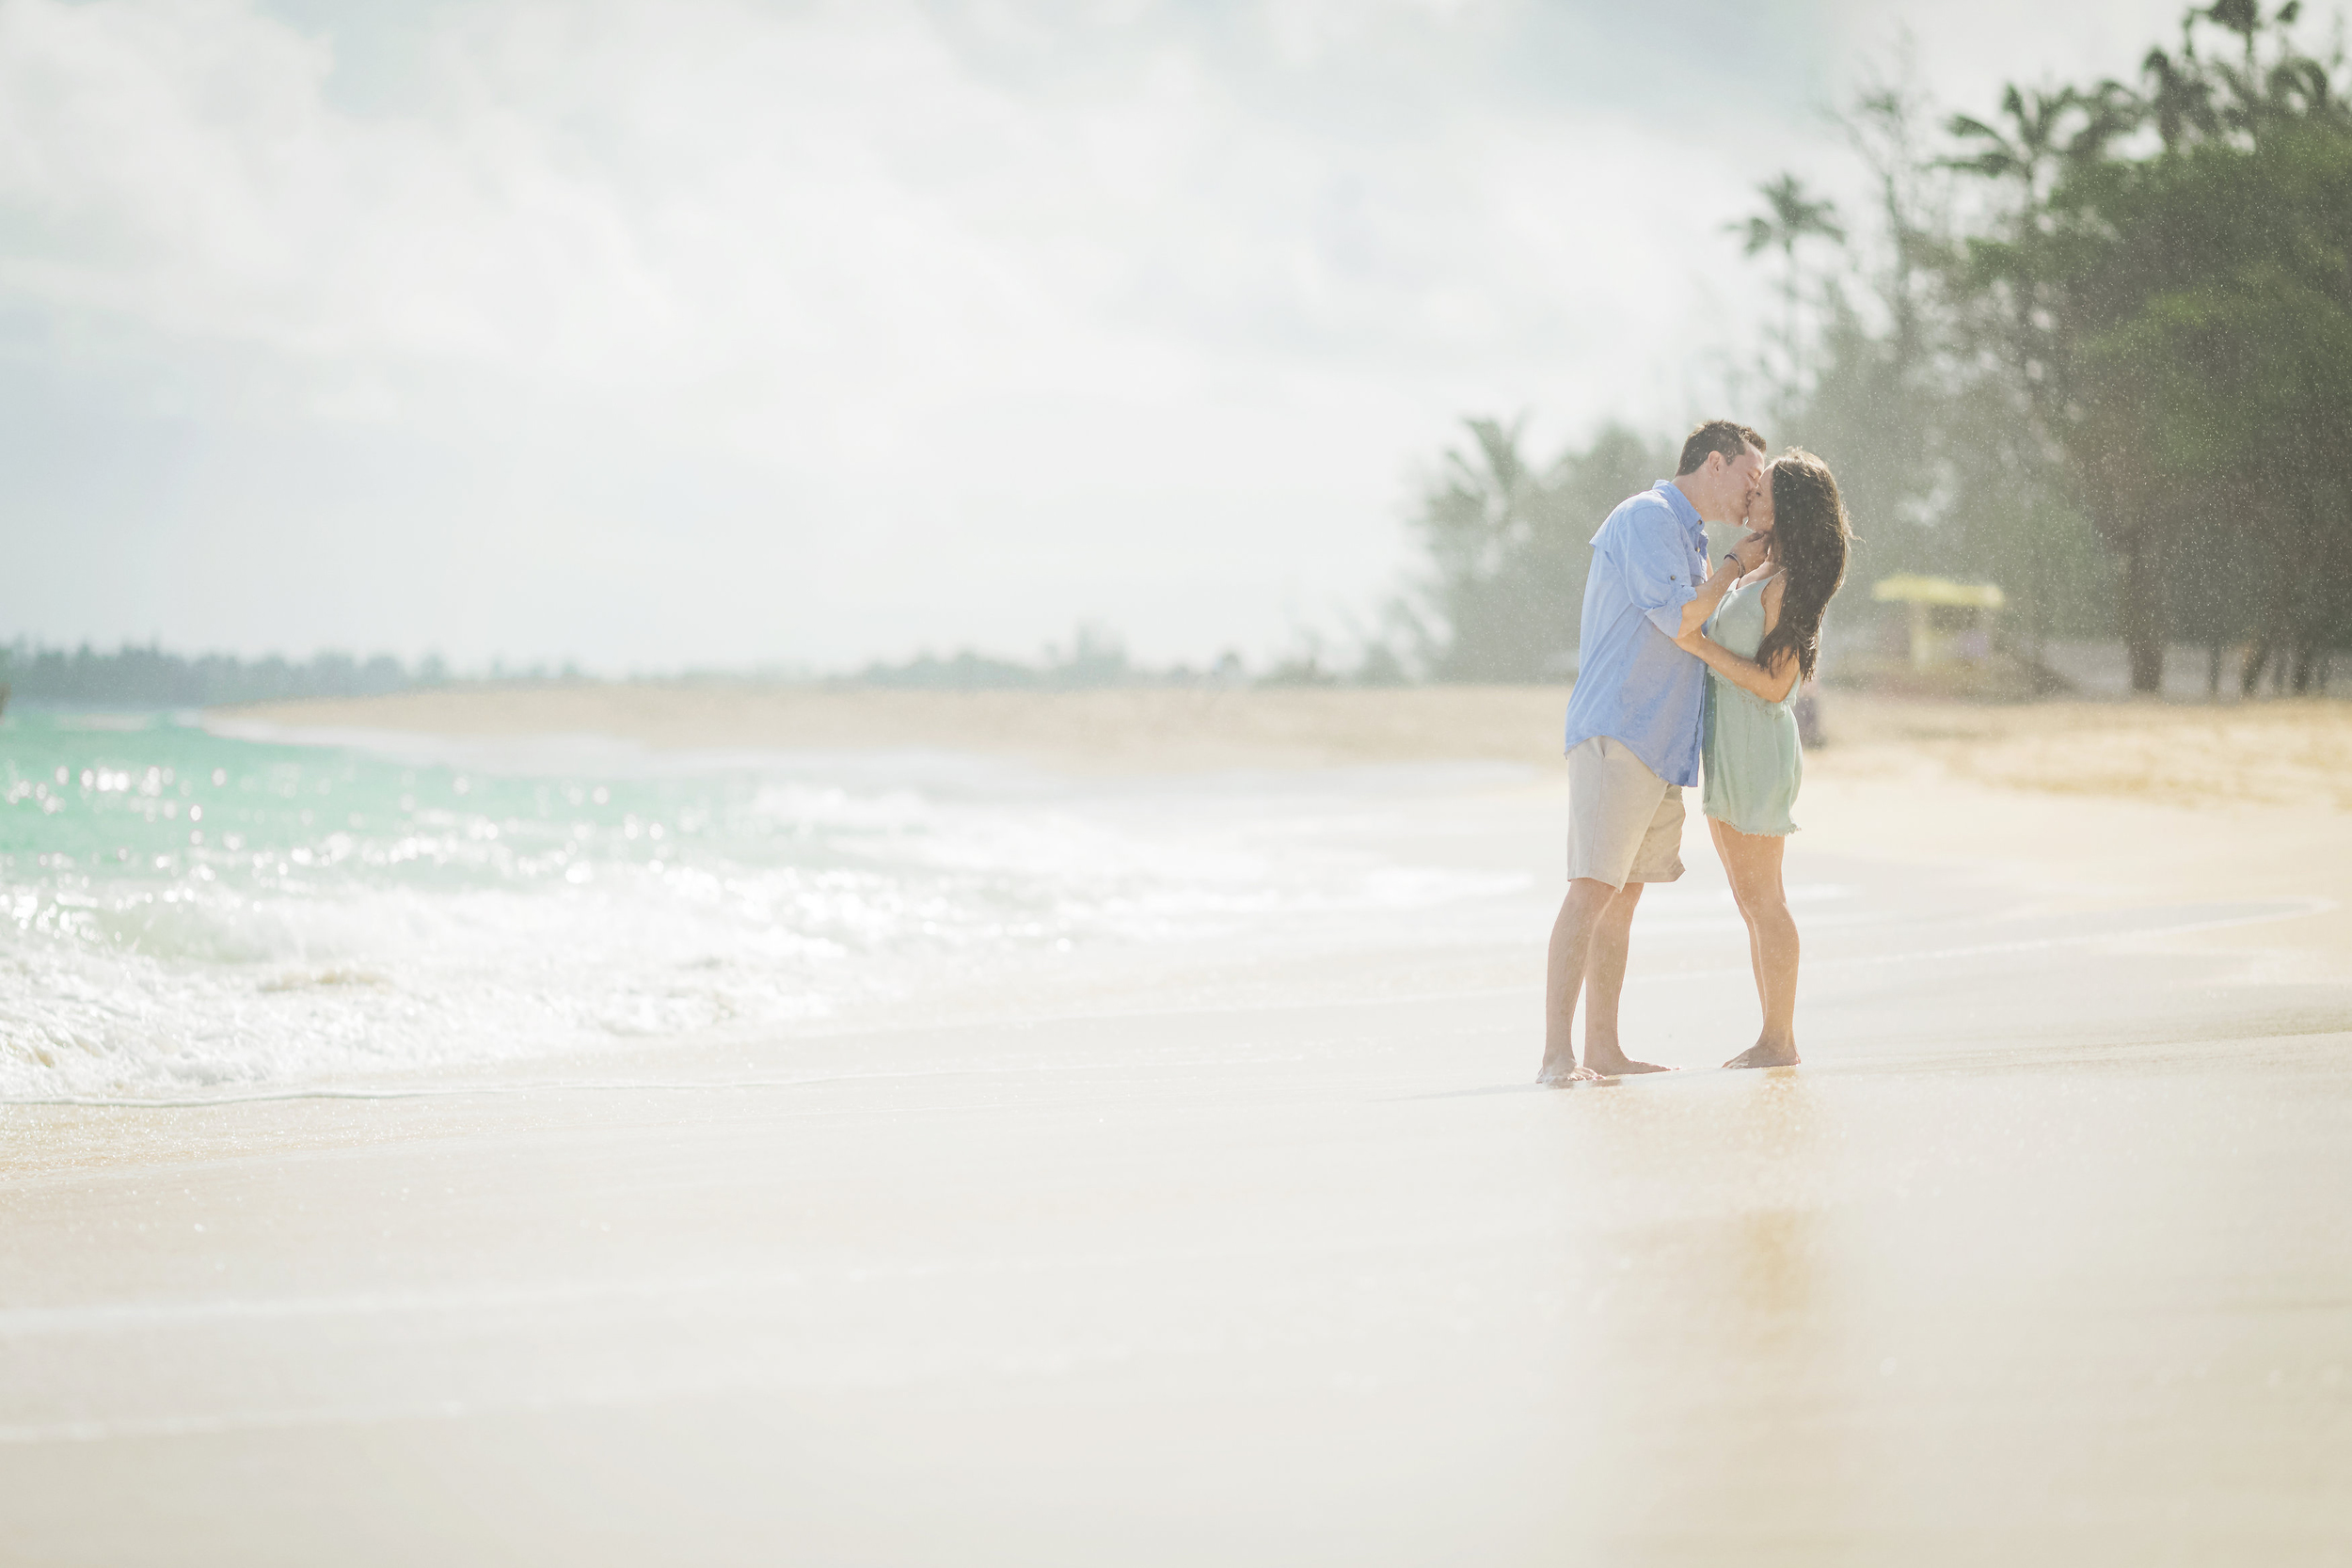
{"type": "Point", "coordinates": [1590, 910]}
{"type": "Point", "coordinates": [1564, 975]}
{"type": "Point", "coordinates": [1604, 987]}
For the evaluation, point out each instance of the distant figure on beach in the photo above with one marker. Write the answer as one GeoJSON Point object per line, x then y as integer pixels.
{"type": "Point", "coordinates": [1760, 647]}
{"type": "Point", "coordinates": [1636, 722]}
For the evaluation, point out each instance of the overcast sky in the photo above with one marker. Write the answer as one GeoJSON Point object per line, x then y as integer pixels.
{"type": "Point", "coordinates": [666, 332]}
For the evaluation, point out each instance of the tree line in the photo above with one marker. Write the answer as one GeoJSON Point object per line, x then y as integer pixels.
{"type": "Point", "coordinates": [153, 677]}
{"type": "Point", "coordinates": [2095, 346]}
{"type": "Point", "coordinates": [150, 677]}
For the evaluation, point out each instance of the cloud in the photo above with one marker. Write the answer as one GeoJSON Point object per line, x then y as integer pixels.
{"type": "Point", "coordinates": [721, 331]}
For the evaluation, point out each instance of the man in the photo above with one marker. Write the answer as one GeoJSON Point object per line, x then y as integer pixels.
{"type": "Point", "coordinates": [1635, 724]}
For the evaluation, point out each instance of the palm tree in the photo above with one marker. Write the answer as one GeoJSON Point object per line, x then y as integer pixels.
{"type": "Point", "coordinates": [2244, 19]}
{"type": "Point", "coordinates": [1476, 521]}
{"type": "Point", "coordinates": [2179, 98]}
{"type": "Point", "coordinates": [2027, 149]}
{"type": "Point", "coordinates": [2038, 136]}
{"type": "Point", "coordinates": [1789, 216]}
{"type": "Point", "coordinates": [1482, 512]}
{"type": "Point", "coordinates": [2110, 112]}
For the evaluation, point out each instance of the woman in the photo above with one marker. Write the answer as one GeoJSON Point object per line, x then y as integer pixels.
{"type": "Point", "coordinates": [1760, 647]}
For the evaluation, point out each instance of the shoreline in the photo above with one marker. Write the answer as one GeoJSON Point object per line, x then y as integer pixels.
{"type": "Point", "coordinates": [2142, 798]}
{"type": "Point", "coordinates": [2290, 751]}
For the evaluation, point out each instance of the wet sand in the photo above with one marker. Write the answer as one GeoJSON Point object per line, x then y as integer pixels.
{"type": "Point", "coordinates": [2039, 1257]}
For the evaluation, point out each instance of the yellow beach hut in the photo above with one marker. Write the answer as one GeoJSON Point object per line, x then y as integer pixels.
{"type": "Point", "coordinates": [1950, 622]}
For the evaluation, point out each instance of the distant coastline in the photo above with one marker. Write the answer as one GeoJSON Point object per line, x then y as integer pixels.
{"type": "Point", "coordinates": [152, 676]}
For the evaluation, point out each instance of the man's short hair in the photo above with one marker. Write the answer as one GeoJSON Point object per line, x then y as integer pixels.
{"type": "Point", "coordinates": [1728, 436]}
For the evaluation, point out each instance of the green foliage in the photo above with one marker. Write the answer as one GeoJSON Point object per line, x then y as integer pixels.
{"type": "Point", "coordinates": [1095, 658]}
{"type": "Point", "coordinates": [2199, 316]}
{"type": "Point", "coordinates": [133, 676]}
{"type": "Point", "coordinates": [1789, 218]}
{"type": "Point", "coordinates": [1510, 545]}
{"type": "Point", "coordinates": [2123, 391]}
{"type": "Point", "coordinates": [2118, 383]}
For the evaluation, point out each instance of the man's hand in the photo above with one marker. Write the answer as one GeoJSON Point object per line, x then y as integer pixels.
{"type": "Point", "coordinates": [1746, 556]}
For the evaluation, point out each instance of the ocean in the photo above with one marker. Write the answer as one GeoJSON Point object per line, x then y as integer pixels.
{"type": "Point", "coordinates": [194, 908]}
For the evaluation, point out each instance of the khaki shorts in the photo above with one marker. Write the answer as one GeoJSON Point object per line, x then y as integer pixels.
{"type": "Point", "coordinates": [1624, 822]}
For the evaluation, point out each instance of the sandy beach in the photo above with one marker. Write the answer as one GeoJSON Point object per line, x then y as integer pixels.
{"type": "Point", "coordinates": [1252, 1253]}
{"type": "Point", "coordinates": [2282, 752]}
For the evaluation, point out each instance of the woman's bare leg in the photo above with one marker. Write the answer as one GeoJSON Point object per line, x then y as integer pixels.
{"type": "Point", "coordinates": [1755, 949]}
{"type": "Point", "coordinates": [1753, 862]}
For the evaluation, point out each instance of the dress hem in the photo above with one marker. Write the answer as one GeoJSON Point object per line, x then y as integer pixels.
{"type": "Point", "coordinates": [1751, 832]}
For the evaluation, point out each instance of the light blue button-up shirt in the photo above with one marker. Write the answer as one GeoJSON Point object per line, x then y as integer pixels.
{"type": "Point", "coordinates": [1633, 683]}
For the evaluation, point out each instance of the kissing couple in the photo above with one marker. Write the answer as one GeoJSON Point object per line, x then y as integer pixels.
{"type": "Point", "coordinates": [1679, 662]}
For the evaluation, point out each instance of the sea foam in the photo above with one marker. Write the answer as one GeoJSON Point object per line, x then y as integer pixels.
{"type": "Point", "coordinates": [189, 909]}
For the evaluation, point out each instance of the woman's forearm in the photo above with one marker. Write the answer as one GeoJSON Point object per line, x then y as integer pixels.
{"type": "Point", "coordinates": [1745, 673]}
{"type": "Point", "coordinates": [1711, 596]}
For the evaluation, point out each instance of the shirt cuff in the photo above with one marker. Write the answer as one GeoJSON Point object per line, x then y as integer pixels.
{"type": "Point", "coordinates": [1667, 617]}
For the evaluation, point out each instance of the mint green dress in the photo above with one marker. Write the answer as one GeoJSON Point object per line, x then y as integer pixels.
{"type": "Point", "coordinates": [1753, 762]}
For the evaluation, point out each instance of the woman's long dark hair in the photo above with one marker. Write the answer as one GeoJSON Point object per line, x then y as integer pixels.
{"type": "Point", "coordinates": [1809, 535]}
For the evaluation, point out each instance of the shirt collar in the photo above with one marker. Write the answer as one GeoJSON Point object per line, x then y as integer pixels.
{"type": "Point", "coordinates": [1683, 510]}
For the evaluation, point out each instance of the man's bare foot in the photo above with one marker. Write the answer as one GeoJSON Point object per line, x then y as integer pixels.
{"type": "Point", "coordinates": [1558, 1074]}
{"type": "Point", "coordinates": [1616, 1064]}
{"type": "Point", "coordinates": [1765, 1055]}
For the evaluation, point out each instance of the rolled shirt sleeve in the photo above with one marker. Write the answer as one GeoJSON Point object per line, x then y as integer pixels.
{"type": "Point", "coordinates": [1659, 566]}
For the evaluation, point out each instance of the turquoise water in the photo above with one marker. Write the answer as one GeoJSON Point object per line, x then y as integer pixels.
{"type": "Point", "coordinates": [186, 907]}
{"type": "Point", "coordinates": [138, 804]}
{"type": "Point", "coordinates": [192, 908]}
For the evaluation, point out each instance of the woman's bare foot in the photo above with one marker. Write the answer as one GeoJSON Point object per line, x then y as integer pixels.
{"type": "Point", "coordinates": [1616, 1064]}
{"type": "Point", "coordinates": [1765, 1055]}
{"type": "Point", "coordinates": [1561, 1074]}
